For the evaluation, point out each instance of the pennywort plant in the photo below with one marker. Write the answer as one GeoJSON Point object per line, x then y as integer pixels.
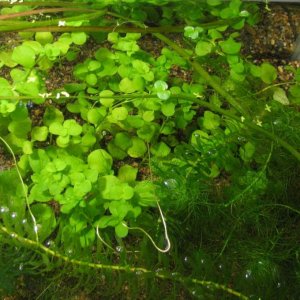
{"type": "Point", "coordinates": [88, 160]}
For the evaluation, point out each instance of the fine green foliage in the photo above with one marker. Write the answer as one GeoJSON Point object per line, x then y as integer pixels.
{"type": "Point", "coordinates": [130, 135]}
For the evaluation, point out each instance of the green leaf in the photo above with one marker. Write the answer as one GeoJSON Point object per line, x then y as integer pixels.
{"type": "Point", "coordinates": [94, 65]}
{"type": "Point", "coordinates": [203, 48]}
{"type": "Point", "coordinates": [268, 73]}
{"type": "Point", "coordinates": [73, 128]}
{"type": "Point", "coordinates": [211, 121]}
{"type": "Point", "coordinates": [100, 161]}
{"type": "Point", "coordinates": [51, 52]}
{"type": "Point", "coordinates": [24, 55]}
{"type": "Point", "coordinates": [39, 133]}
{"type": "Point", "coordinates": [112, 188]}
{"type": "Point", "coordinates": [79, 38]}
{"type": "Point", "coordinates": [121, 230]}
{"type": "Point", "coordinates": [119, 208]}
{"type": "Point", "coordinates": [95, 115]}
{"type": "Point", "coordinates": [57, 129]}
{"type": "Point", "coordinates": [123, 140]}
{"type": "Point", "coordinates": [27, 147]}
{"type": "Point", "coordinates": [168, 109]}
{"type": "Point", "coordinates": [145, 193]}
{"type": "Point", "coordinates": [160, 150]}
{"type": "Point", "coordinates": [88, 238]}
{"type": "Point", "coordinates": [147, 132]}
{"type": "Point", "coordinates": [106, 221]}
{"type": "Point", "coordinates": [63, 141]}
{"type": "Point", "coordinates": [44, 37]}
{"type": "Point", "coordinates": [129, 86]}
{"type": "Point", "coordinates": [119, 113]}
{"type": "Point", "coordinates": [138, 148]}
{"type": "Point", "coordinates": [20, 128]}
{"type": "Point", "coordinates": [280, 96]}
{"type": "Point", "coordinates": [247, 151]}
{"type": "Point", "coordinates": [127, 173]}
{"type": "Point", "coordinates": [230, 46]}
{"type": "Point", "coordinates": [91, 79]}
{"type": "Point", "coordinates": [108, 102]}
{"type": "Point", "coordinates": [115, 151]}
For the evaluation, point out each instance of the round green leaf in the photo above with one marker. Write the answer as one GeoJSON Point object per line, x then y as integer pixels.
{"type": "Point", "coordinates": [123, 140]}
{"type": "Point", "coordinates": [160, 150]}
{"type": "Point", "coordinates": [44, 37]}
{"type": "Point", "coordinates": [91, 79]}
{"type": "Point", "coordinates": [127, 173]}
{"type": "Point", "coordinates": [230, 46]}
{"type": "Point", "coordinates": [203, 48]}
{"type": "Point", "coordinates": [138, 148]}
{"type": "Point", "coordinates": [100, 161]}
{"type": "Point", "coordinates": [39, 133]}
{"type": "Point", "coordinates": [121, 230]}
{"type": "Point", "coordinates": [78, 38]}
{"type": "Point", "coordinates": [211, 120]}
{"type": "Point", "coordinates": [168, 109]}
{"type": "Point", "coordinates": [72, 127]}
{"type": "Point", "coordinates": [268, 73]}
{"type": "Point", "coordinates": [119, 113]}
{"type": "Point", "coordinates": [24, 55]}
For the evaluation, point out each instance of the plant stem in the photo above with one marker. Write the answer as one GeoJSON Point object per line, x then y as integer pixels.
{"type": "Point", "coordinates": [38, 246]}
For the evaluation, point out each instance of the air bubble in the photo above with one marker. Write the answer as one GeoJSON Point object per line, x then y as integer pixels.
{"type": "Point", "coordinates": [4, 209]}
{"type": "Point", "coordinates": [119, 248]}
{"type": "Point", "coordinates": [24, 221]}
{"type": "Point", "coordinates": [21, 266]}
{"type": "Point", "coordinates": [248, 274]}
{"type": "Point", "coordinates": [13, 215]}
{"type": "Point", "coordinates": [138, 272]}
{"type": "Point", "coordinates": [171, 183]}
{"type": "Point", "coordinates": [186, 259]}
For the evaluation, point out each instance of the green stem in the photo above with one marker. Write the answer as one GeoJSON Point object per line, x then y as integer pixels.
{"type": "Point", "coordinates": [38, 246]}
{"type": "Point", "coordinates": [45, 11]}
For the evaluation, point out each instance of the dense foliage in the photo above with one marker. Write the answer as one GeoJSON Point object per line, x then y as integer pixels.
{"type": "Point", "coordinates": [182, 143]}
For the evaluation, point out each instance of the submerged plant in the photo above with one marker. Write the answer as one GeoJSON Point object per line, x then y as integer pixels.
{"type": "Point", "coordinates": [125, 158]}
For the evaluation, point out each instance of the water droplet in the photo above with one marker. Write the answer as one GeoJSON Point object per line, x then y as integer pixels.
{"type": "Point", "coordinates": [24, 221]}
{"type": "Point", "coordinates": [248, 274]}
{"type": "Point", "coordinates": [4, 209]}
{"type": "Point", "coordinates": [13, 215]}
{"type": "Point", "coordinates": [119, 248]}
{"type": "Point", "coordinates": [21, 266]}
